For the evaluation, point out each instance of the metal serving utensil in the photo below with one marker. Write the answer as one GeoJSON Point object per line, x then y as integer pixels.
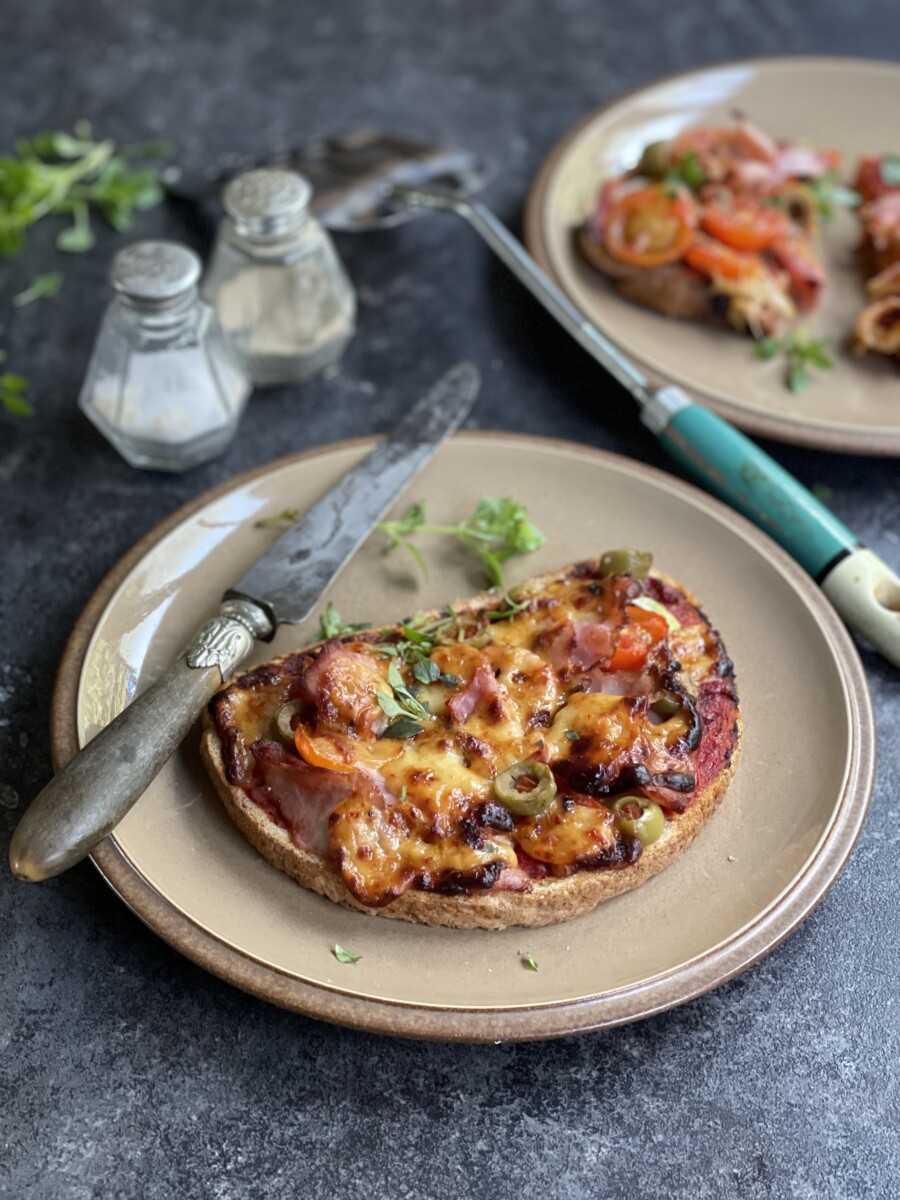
{"type": "Point", "coordinates": [90, 795]}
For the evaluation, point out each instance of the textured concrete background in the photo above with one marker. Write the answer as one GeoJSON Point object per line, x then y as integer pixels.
{"type": "Point", "coordinates": [125, 1070]}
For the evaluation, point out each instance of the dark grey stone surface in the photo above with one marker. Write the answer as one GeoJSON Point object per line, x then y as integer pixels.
{"type": "Point", "coordinates": [125, 1070]}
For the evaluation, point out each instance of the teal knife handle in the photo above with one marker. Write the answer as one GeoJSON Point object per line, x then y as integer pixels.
{"type": "Point", "coordinates": [735, 469]}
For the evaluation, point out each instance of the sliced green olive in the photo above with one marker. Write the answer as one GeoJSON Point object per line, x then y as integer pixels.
{"type": "Point", "coordinates": [665, 705]}
{"type": "Point", "coordinates": [283, 719]}
{"type": "Point", "coordinates": [526, 788]}
{"type": "Point", "coordinates": [656, 159]}
{"type": "Point", "coordinates": [626, 562]}
{"type": "Point", "coordinates": [639, 817]}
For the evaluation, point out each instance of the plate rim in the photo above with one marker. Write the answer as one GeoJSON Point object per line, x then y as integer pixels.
{"type": "Point", "coordinates": [496, 1024]}
{"type": "Point", "coordinates": [882, 442]}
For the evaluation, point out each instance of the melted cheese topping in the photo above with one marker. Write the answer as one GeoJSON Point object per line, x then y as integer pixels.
{"type": "Point", "coordinates": [520, 689]}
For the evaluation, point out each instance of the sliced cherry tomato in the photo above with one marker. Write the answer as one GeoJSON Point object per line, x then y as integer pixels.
{"type": "Point", "coordinates": [717, 261]}
{"type": "Point", "coordinates": [655, 624]}
{"type": "Point", "coordinates": [651, 226]}
{"type": "Point", "coordinates": [631, 653]}
{"type": "Point", "coordinates": [751, 227]}
{"type": "Point", "coordinates": [321, 752]}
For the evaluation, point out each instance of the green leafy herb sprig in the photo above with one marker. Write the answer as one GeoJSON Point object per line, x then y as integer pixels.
{"type": "Point", "coordinates": [830, 195]}
{"type": "Point", "coordinates": [685, 172]}
{"type": "Point", "coordinates": [345, 956]}
{"type": "Point", "coordinates": [406, 713]}
{"type": "Point", "coordinates": [61, 174]}
{"type": "Point", "coordinates": [801, 352]}
{"type": "Point", "coordinates": [12, 392]}
{"type": "Point", "coordinates": [497, 530]}
{"type": "Point", "coordinates": [68, 175]}
{"type": "Point", "coordinates": [331, 625]}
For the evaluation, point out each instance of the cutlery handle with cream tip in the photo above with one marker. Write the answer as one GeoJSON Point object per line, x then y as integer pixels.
{"type": "Point", "coordinates": [863, 588]}
{"type": "Point", "coordinates": [91, 795]}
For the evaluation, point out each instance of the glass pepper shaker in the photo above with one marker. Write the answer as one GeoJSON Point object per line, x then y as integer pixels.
{"type": "Point", "coordinates": [276, 281]}
{"type": "Point", "coordinates": [164, 385]}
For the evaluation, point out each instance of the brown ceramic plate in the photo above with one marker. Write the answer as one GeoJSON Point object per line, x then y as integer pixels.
{"type": "Point", "coordinates": [847, 103]}
{"type": "Point", "coordinates": [780, 839]}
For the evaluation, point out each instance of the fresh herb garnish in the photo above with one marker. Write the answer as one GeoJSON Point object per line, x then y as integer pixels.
{"type": "Point", "coordinates": [12, 392]}
{"type": "Point", "coordinates": [821, 491]}
{"type": "Point", "coordinates": [529, 962]}
{"type": "Point", "coordinates": [498, 529]}
{"type": "Point", "coordinates": [287, 516]}
{"type": "Point", "coordinates": [800, 352]}
{"type": "Point", "coordinates": [830, 194]}
{"type": "Point", "coordinates": [572, 735]}
{"type": "Point", "coordinates": [57, 174]}
{"type": "Point", "coordinates": [345, 956]}
{"type": "Point", "coordinates": [890, 170]}
{"type": "Point", "coordinates": [331, 625]}
{"type": "Point", "coordinates": [405, 711]}
{"type": "Point", "coordinates": [42, 286]}
{"type": "Point", "coordinates": [685, 171]}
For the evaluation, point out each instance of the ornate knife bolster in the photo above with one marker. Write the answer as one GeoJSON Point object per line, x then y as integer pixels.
{"type": "Point", "coordinates": [227, 639]}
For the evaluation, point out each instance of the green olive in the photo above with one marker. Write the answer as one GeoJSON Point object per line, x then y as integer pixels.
{"type": "Point", "coordinates": [647, 826]}
{"type": "Point", "coordinates": [626, 562]}
{"type": "Point", "coordinates": [665, 705]}
{"type": "Point", "coordinates": [526, 788]}
{"type": "Point", "coordinates": [656, 159]}
{"type": "Point", "coordinates": [283, 718]}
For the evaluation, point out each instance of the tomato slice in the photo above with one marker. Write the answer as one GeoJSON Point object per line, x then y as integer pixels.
{"type": "Point", "coordinates": [715, 260]}
{"type": "Point", "coordinates": [651, 226]}
{"type": "Point", "coordinates": [751, 227]}
{"type": "Point", "coordinates": [321, 752]}
{"type": "Point", "coordinates": [655, 624]}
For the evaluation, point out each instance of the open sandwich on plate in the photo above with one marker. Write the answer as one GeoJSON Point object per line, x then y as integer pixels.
{"type": "Point", "coordinates": [510, 760]}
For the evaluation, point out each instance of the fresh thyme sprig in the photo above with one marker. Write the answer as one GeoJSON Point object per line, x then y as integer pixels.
{"type": "Point", "coordinates": [800, 353]}
{"type": "Point", "coordinates": [830, 195]}
{"type": "Point", "coordinates": [331, 625]}
{"type": "Point", "coordinates": [498, 529]}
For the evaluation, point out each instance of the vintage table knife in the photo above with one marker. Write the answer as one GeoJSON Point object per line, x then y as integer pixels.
{"type": "Point", "coordinates": [89, 797]}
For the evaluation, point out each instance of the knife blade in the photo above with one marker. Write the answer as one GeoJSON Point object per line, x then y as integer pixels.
{"type": "Point", "coordinates": [91, 794]}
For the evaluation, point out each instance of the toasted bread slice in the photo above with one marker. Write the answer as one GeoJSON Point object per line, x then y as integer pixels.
{"type": "Point", "coordinates": [548, 900]}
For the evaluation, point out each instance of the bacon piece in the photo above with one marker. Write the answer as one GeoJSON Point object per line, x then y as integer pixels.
{"type": "Point", "coordinates": [619, 683]}
{"type": "Point", "coordinates": [342, 685]}
{"type": "Point", "coordinates": [303, 796]}
{"type": "Point", "coordinates": [481, 687]}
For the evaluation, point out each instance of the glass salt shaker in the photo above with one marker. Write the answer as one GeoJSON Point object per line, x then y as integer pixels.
{"type": "Point", "coordinates": [276, 281]}
{"type": "Point", "coordinates": [164, 385]}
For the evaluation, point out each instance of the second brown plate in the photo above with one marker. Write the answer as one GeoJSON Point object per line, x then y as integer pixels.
{"type": "Point", "coordinates": [778, 842]}
{"type": "Point", "coordinates": [847, 103]}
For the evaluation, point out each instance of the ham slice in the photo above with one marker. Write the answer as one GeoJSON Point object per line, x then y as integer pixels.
{"type": "Point", "coordinates": [482, 687]}
{"type": "Point", "coordinates": [343, 685]}
{"type": "Point", "coordinates": [577, 645]}
{"type": "Point", "coordinates": [303, 796]}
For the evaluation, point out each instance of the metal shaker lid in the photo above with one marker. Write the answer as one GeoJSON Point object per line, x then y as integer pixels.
{"type": "Point", "coordinates": [267, 202]}
{"type": "Point", "coordinates": [154, 275]}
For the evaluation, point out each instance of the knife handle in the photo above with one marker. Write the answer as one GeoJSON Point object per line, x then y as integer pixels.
{"type": "Point", "coordinates": [92, 793]}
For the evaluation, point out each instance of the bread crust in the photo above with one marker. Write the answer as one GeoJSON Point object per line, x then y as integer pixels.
{"type": "Point", "coordinates": [550, 901]}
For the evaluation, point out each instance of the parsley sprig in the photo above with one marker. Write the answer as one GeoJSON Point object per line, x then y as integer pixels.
{"type": "Point", "coordinates": [686, 172]}
{"type": "Point", "coordinates": [496, 530]}
{"type": "Point", "coordinates": [800, 353]}
{"type": "Point", "coordinates": [830, 195]}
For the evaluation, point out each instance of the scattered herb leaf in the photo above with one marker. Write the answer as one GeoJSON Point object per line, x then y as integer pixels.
{"type": "Point", "coordinates": [830, 194]}
{"type": "Point", "coordinates": [890, 170]}
{"type": "Point", "coordinates": [572, 735]}
{"type": "Point", "coordinates": [287, 516]}
{"type": "Point", "coordinates": [402, 795]}
{"type": "Point", "coordinates": [800, 353]}
{"type": "Point", "coordinates": [686, 171]}
{"type": "Point", "coordinates": [40, 287]}
{"type": "Point", "coordinates": [529, 962]}
{"type": "Point", "coordinates": [403, 728]}
{"type": "Point", "coordinates": [498, 529]}
{"type": "Point", "coordinates": [344, 956]}
{"type": "Point", "coordinates": [821, 491]}
{"type": "Point", "coordinates": [331, 625]}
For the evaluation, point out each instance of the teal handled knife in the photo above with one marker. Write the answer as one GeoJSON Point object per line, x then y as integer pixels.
{"type": "Point", "coordinates": [90, 795]}
{"type": "Point", "coordinates": [863, 588]}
